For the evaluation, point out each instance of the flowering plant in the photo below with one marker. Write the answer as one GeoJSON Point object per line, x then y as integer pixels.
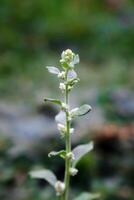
{"type": "Point", "coordinates": [68, 78]}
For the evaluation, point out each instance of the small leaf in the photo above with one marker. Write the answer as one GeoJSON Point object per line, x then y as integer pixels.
{"type": "Point", "coordinates": [44, 174]}
{"type": "Point", "coordinates": [61, 117]}
{"type": "Point", "coordinates": [76, 59]}
{"type": "Point", "coordinates": [87, 196]}
{"type": "Point", "coordinates": [53, 70]}
{"type": "Point", "coordinates": [56, 101]}
{"type": "Point", "coordinates": [83, 110]}
{"type": "Point", "coordinates": [80, 151]}
{"type": "Point", "coordinates": [61, 153]}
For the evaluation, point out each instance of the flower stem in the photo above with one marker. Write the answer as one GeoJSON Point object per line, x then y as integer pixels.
{"type": "Point", "coordinates": [68, 147]}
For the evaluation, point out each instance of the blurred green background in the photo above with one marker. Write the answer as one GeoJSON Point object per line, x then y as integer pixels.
{"type": "Point", "coordinates": [32, 35]}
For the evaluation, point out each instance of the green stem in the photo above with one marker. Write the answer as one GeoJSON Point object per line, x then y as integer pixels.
{"type": "Point", "coordinates": [61, 198]}
{"type": "Point", "coordinates": [68, 148]}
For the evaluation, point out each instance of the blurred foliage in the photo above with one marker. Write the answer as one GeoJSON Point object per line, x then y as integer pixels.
{"type": "Point", "coordinates": [109, 169]}
{"type": "Point", "coordinates": [98, 29]}
{"type": "Point", "coordinates": [118, 105]}
{"type": "Point", "coordinates": [33, 33]}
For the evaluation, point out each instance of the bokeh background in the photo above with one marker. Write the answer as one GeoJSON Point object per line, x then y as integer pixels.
{"type": "Point", "coordinates": [32, 35]}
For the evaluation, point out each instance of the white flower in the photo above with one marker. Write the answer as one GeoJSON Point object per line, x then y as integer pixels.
{"type": "Point", "coordinates": [59, 187]}
{"type": "Point", "coordinates": [70, 156]}
{"type": "Point", "coordinates": [64, 106]}
{"type": "Point", "coordinates": [71, 130]}
{"type": "Point", "coordinates": [61, 128]}
{"type": "Point", "coordinates": [62, 86]}
{"type": "Point", "coordinates": [70, 118]}
{"type": "Point", "coordinates": [61, 75]}
{"type": "Point", "coordinates": [67, 56]}
{"type": "Point", "coordinates": [73, 171]}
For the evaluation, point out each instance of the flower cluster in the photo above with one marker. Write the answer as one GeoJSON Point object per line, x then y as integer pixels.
{"type": "Point", "coordinates": [69, 79]}
{"type": "Point", "coordinates": [68, 59]}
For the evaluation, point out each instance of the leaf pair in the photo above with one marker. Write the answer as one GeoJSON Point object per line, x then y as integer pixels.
{"type": "Point", "coordinates": [54, 70]}
{"type": "Point", "coordinates": [82, 110]}
{"type": "Point", "coordinates": [48, 175]}
{"type": "Point", "coordinates": [78, 152]}
{"type": "Point", "coordinates": [61, 153]}
{"type": "Point", "coordinates": [56, 101]}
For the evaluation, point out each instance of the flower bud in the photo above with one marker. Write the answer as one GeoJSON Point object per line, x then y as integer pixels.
{"type": "Point", "coordinates": [70, 156]}
{"type": "Point", "coordinates": [73, 171]}
{"type": "Point", "coordinates": [62, 86]}
{"type": "Point", "coordinates": [59, 187]}
{"type": "Point", "coordinates": [69, 118]}
{"type": "Point", "coordinates": [67, 56]}
{"type": "Point", "coordinates": [64, 106]}
{"type": "Point", "coordinates": [70, 87]}
{"type": "Point", "coordinates": [61, 75]}
{"type": "Point", "coordinates": [71, 130]}
{"type": "Point", "coordinates": [61, 127]}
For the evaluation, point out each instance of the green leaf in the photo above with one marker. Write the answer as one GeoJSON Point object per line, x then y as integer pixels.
{"type": "Point", "coordinates": [46, 174]}
{"type": "Point", "coordinates": [83, 110]}
{"type": "Point", "coordinates": [87, 196]}
{"type": "Point", "coordinates": [76, 59]}
{"type": "Point", "coordinates": [56, 101]}
{"type": "Point", "coordinates": [61, 117]}
{"type": "Point", "coordinates": [53, 70]}
{"type": "Point", "coordinates": [61, 153]}
{"type": "Point", "coordinates": [80, 151]}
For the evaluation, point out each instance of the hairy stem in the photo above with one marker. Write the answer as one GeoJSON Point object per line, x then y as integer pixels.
{"type": "Point", "coordinates": [68, 147]}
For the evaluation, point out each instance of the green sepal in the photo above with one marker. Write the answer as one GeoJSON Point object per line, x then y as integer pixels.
{"type": "Point", "coordinates": [72, 82]}
{"type": "Point", "coordinates": [64, 65]}
{"type": "Point", "coordinates": [56, 101]}
{"type": "Point", "coordinates": [61, 153]}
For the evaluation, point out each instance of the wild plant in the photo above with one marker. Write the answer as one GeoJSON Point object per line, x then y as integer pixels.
{"type": "Point", "coordinates": [68, 79]}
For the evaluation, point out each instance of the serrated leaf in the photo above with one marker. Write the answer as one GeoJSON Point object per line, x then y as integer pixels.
{"type": "Point", "coordinates": [87, 196]}
{"type": "Point", "coordinates": [46, 174]}
{"type": "Point", "coordinates": [53, 70]}
{"type": "Point", "coordinates": [80, 151]}
{"type": "Point", "coordinates": [83, 110]}
{"type": "Point", "coordinates": [61, 153]}
{"type": "Point", "coordinates": [56, 101]}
